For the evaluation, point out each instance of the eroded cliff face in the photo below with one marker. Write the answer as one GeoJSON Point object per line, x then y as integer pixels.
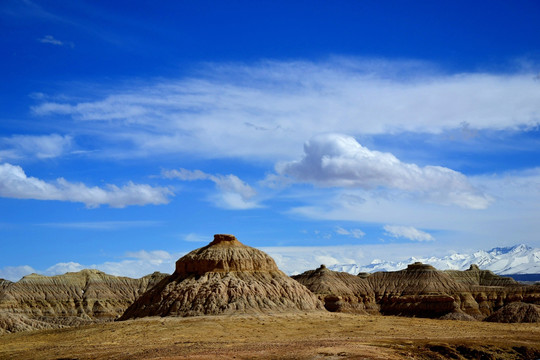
{"type": "Point", "coordinates": [87, 296]}
{"type": "Point", "coordinates": [224, 277]}
{"type": "Point", "coordinates": [4, 283]}
{"type": "Point", "coordinates": [227, 277]}
{"type": "Point", "coordinates": [340, 291]}
{"type": "Point", "coordinates": [516, 312]}
{"type": "Point", "coordinates": [475, 276]}
{"type": "Point", "coordinates": [421, 290]}
{"type": "Point", "coordinates": [492, 298]}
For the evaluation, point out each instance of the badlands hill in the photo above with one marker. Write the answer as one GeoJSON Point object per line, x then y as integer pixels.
{"type": "Point", "coordinates": [340, 292]}
{"type": "Point", "coordinates": [516, 312]}
{"type": "Point", "coordinates": [420, 290]}
{"type": "Point", "coordinates": [228, 277]}
{"type": "Point", "coordinates": [475, 276]}
{"type": "Point", "coordinates": [224, 277]}
{"type": "Point", "coordinates": [87, 296]}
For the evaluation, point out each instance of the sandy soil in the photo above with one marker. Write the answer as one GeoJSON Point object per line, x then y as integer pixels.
{"type": "Point", "coordinates": [317, 335]}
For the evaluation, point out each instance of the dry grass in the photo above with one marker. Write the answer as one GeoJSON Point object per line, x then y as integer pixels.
{"type": "Point", "coordinates": [317, 335]}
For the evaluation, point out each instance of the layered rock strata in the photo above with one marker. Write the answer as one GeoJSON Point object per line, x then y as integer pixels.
{"type": "Point", "coordinates": [340, 291]}
{"type": "Point", "coordinates": [475, 276]}
{"type": "Point", "coordinates": [420, 290]}
{"type": "Point", "coordinates": [224, 277]}
{"type": "Point", "coordinates": [517, 312]}
{"type": "Point", "coordinates": [76, 298]}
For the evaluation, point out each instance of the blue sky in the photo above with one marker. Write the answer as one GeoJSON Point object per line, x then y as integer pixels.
{"type": "Point", "coordinates": [331, 132]}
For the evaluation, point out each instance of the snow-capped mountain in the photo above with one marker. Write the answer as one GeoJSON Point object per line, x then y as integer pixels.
{"type": "Point", "coordinates": [518, 259]}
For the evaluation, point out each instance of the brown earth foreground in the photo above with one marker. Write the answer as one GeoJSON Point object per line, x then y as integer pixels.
{"type": "Point", "coordinates": [314, 335]}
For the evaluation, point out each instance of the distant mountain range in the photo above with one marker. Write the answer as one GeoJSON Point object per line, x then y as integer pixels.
{"type": "Point", "coordinates": [518, 259]}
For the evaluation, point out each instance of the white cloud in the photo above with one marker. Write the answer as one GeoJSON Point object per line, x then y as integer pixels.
{"type": "Point", "coordinates": [135, 265]}
{"type": "Point", "coordinates": [30, 146]}
{"type": "Point", "coordinates": [407, 232]}
{"type": "Point", "coordinates": [233, 184]}
{"type": "Point", "coordinates": [15, 184]}
{"type": "Point", "coordinates": [356, 233]}
{"type": "Point", "coordinates": [155, 257]}
{"type": "Point", "coordinates": [103, 225]}
{"type": "Point", "coordinates": [265, 110]}
{"type": "Point", "coordinates": [14, 273]}
{"type": "Point", "coordinates": [63, 267]}
{"type": "Point", "coordinates": [192, 237]}
{"type": "Point", "coordinates": [185, 175]}
{"type": "Point", "coordinates": [233, 192]}
{"type": "Point", "coordinates": [334, 160]}
{"type": "Point", "coordinates": [49, 39]}
{"type": "Point", "coordinates": [512, 218]}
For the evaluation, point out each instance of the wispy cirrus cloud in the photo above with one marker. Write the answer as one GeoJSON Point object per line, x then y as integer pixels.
{"type": "Point", "coordinates": [407, 232]}
{"type": "Point", "coordinates": [14, 183]}
{"type": "Point", "coordinates": [233, 192]}
{"type": "Point", "coordinates": [355, 233]}
{"type": "Point", "coordinates": [49, 39]}
{"type": "Point", "coordinates": [193, 237]}
{"type": "Point", "coordinates": [335, 160]}
{"type": "Point", "coordinates": [35, 146]}
{"type": "Point", "coordinates": [265, 110]}
{"type": "Point", "coordinates": [103, 225]}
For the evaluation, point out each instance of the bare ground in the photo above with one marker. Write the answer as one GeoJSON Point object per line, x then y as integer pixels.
{"type": "Point", "coordinates": [316, 335]}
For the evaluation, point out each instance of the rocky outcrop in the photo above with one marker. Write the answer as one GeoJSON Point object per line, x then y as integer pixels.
{"type": "Point", "coordinates": [4, 283]}
{"type": "Point", "coordinates": [340, 291]}
{"type": "Point", "coordinates": [227, 277]}
{"type": "Point", "coordinates": [224, 277]}
{"type": "Point", "coordinates": [492, 298]}
{"type": "Point", "coordinates": [10, 323]}
{"type": "Point", "coordinates": [516, 312]}
{"type": "Point", "coordinates": [475, 276]}
{"type": "Point", "coordinates": [74, 298]}
{"type": "Point", "coordinates": [420, 290]}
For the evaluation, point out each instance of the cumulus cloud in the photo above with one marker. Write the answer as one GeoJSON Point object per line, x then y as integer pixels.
{"type": "Point", "coordinates": [14, 183]}
{"type": "Point", "coordinates": [35, 146]}
{"type": "Point", "coordinates": [407, 232]}
{"type": "Point", "coordinates": [333, 160]}
{"type": "Point", "coordinates": [63, 267]}
{"type": "Point", "coordinates": [234, 193]}
{"type": "Point", "coordinates": [266, 109]}
{"type": "Point", "coordinates": [513, 215]}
